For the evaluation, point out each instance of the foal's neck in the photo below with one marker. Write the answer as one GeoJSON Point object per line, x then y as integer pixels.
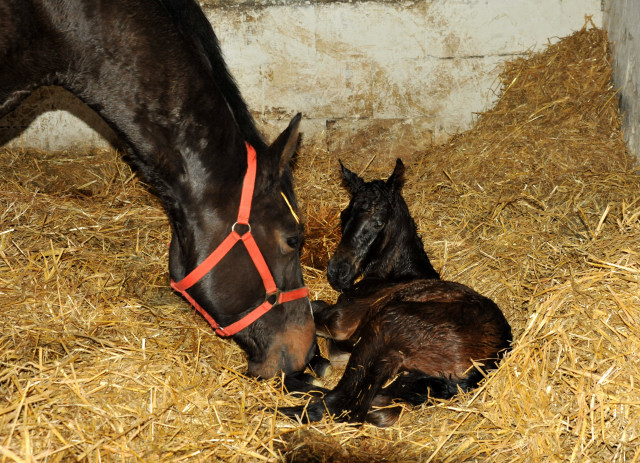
{"type": "Point", "coordinates": [402, 256]}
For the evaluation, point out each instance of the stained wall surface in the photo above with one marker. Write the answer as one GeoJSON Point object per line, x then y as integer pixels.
{"type": "Point", "coordinates": [372, 78]}
{"type": "Point", "coordinates": [622, 20]}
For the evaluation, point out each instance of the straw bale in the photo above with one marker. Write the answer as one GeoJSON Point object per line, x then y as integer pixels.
{"type": "Point", "coordinates": [537, 206]}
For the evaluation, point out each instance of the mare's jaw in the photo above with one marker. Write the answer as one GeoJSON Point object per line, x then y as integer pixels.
{"type": "Point", "coordinates": [287, 352]}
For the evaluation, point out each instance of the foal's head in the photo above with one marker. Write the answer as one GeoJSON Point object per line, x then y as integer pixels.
{"type": "Point", "coordinates": [368, 226]}
{"type": "Point", "coordinates": [379, 236]}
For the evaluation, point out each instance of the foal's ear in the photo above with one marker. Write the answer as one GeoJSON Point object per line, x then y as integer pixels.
{"type": "Point", "coordinates": [285, 145]}
{"type": "Point", "coordinates": [351, 179]}
{"type": "Point", "coordinates": [396, 180]}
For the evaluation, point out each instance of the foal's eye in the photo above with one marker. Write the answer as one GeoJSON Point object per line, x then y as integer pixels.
{"type": "Point", "coordinates": [293, 242]}
{"type": "Point", "coordinates": [378, 224]}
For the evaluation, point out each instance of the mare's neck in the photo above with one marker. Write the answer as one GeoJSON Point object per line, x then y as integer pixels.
{"type": "Point", "coordinates": [192, 160]}
{"type": "Point", "coordinates": [162, 97]}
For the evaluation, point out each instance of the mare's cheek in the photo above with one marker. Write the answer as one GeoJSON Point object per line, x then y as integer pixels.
{"type": "Point", "coordinates": [176, 261]}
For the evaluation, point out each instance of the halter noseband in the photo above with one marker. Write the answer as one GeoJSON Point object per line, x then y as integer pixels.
{"type": "Point", "coordinates": [274, 296]}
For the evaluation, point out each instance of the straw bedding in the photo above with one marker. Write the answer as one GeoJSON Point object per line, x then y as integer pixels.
{"type": "Point", "coordinates": [536, 207]}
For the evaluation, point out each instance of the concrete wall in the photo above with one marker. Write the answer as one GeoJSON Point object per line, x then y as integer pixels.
{"type": "Point", "coordinates": [372, 78]}
{"type": "Point", "coordinates": [622, 20]}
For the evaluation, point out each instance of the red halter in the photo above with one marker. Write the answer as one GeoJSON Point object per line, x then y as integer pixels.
{"type": "Point", "coordinates": [272, 291]}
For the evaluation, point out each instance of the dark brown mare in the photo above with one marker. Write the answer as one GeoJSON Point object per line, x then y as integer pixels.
{"type": "Point", "coordinates": [153, 70]}
{"type": "Point", "coordinates": [400, 320]}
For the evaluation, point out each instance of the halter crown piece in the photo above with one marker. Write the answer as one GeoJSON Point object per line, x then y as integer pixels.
{"type": "Point", "coordinates": [274, 296]}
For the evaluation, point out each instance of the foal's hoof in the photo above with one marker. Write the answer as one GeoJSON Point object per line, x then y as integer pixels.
{"type": "Point", "coordinates": [384, 417]}
{"type": "Point", "coordinates": [303, 383]}
{"type": "Point", "coordinates": [294, 412]}
{"type": "Point", "coordinates": [320, 366]}
{"type": "Point", "coordinates": [304, 413]}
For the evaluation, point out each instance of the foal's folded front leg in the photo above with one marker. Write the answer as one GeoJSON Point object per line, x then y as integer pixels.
{"type": "Point", "coordinates": [318, 307]}
{"type": "Point", "coordinates": [306, 383]}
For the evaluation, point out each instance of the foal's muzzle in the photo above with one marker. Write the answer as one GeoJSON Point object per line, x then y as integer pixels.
{"type": "Point", "coordinates": [340, 273]}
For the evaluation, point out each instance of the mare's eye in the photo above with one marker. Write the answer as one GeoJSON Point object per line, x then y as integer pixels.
{"type": "Point", "coordinates": [378, 224]}
{"type": "Point", "coordinates": [293, 242]}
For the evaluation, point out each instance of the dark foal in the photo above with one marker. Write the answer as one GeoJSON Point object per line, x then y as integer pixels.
{"type": "Point", "coordinates": [400, 320]}
{"type": "Point", "coordinates": [153, 70]}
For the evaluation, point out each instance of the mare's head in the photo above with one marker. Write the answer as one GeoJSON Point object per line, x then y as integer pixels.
{"type": "Point", "coordinates": [283, 339]}
{"type": "Point", "coordinates": [375, 217]}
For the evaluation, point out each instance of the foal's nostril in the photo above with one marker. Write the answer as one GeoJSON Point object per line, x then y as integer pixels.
{"type": "Point", "coordinates": [344, 270]}
{"type": "Point", "coordinates": [331, 270]}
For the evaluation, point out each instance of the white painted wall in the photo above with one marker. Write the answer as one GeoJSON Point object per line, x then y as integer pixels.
{"type": "Point", "coordinates": [368, 75]}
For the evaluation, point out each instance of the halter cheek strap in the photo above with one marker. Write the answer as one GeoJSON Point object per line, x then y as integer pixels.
{"type": "Point", "coordinates": [274, 296]}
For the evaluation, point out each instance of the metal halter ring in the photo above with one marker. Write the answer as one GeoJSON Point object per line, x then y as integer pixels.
{"type": "Point", "coordinates": [233, 227]}
{"type": "Point", "coordinates": [276, 293]}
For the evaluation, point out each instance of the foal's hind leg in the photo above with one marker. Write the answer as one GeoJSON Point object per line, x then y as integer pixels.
{"type": "Point", "coordinates": [370, 366]}
{"type": "Point", "coordinates": [408, 387]}
{"type": "Point", "coordinates": [415, 388]}
{"type": "Point", "coordinates": [368, 369]}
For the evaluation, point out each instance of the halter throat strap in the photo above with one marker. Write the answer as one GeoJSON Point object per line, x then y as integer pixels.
{"type": "Point", "coordinates": [274, 296]}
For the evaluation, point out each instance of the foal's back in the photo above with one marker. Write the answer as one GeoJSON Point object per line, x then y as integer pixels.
{"type": "Point", "coordinates": [456, 322]}
{"type": "Point", "coordinates": [437, 326]}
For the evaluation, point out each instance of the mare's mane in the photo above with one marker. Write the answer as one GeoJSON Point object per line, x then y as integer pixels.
{"type": "Point", "coordinates": [196, 28]}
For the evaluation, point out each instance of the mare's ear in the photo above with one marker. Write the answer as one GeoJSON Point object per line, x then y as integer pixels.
{"type": "Point", "coordinates": [351, 179]}
{"type": "Point", "coordinates": [396, 180]}
{"type": "Point", "coordinates": [285, 145]}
